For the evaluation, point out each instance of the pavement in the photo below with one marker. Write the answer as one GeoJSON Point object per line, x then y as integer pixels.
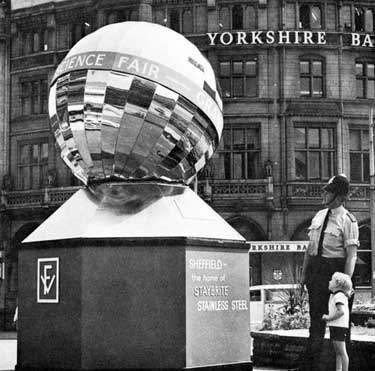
{"type": "Point", "coordinates": [8, 353]}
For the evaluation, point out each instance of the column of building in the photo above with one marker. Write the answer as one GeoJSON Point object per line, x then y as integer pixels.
{"type": "Point", "coordinates": [4, 148]}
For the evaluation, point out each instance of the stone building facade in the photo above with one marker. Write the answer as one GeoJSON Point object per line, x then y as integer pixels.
{"type": "Point", "coordinates": [297, 80]}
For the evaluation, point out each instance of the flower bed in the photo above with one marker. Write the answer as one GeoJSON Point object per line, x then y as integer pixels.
{"type": "Point", "coordinates": [363, 314]}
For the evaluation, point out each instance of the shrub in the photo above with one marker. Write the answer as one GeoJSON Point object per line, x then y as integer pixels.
{"type": "Point", "coordinates": [363, 314]}
{"type": "Point", "coordinates": [293, 314]}
{"type": "Point", "coordinates": [370, 323]}
{"type": "Point", "coordinates": [364, 308]}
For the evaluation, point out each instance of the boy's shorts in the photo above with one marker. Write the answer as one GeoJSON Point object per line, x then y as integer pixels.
{"type": "Point", "coordinates": [338, 333]}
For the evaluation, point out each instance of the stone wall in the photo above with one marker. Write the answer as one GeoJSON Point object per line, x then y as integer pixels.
{"type": "Point", "coordinates": [280, 350]}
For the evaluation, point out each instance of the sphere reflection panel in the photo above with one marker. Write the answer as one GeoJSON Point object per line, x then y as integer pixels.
{"type": "Point", "coordinates": [112, 125]}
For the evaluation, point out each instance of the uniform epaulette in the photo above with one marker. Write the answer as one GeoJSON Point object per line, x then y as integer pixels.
{"type": "Point", "coordinates": [351, 217]}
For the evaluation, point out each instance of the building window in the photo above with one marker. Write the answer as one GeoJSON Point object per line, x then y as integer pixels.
{"type": "Point", "coordinates": [26, 43]}
{"type": "Point", "coordinates": [237, 17]}
{"type": "Point", "coordinates": [78, 31]}
{"type": "Point", "coordinates": [34, 97]}
{"type": "Point", "coordinates": [121, 15]}
{"type": "Point", "coordinates": [184, 19]}
{"type": "Point", "coordinates": [187, 21]}
{"type": "Point", "coordinates": [312, 78]}
{"type": "Point", "coordinates": [224, 17]}
{"type": "Point", "coordinates": [239, 78]}
{"type": "Point", "coordinates": [310, 17]}
{"type": "Point", "coordinates": [238, 155]}
{"type": "Point", "coordinates": [232, 17]}
{"type": "Point", "coordinates": [315, 150]}
{"type": "Point", "coordinates": [362, 272]}
{"type": "Point", "coordinates": [364, 19]}
{"type": "Point", "coordinates": [359, 156]}
{"type": "Point", "coordinates": [359, 19]}
{"type": "Point", "coordinates": [369, 20]}
{"type": "Point", "coordinates": [365, 80]}
{"type": "Point", "coordinates": [174, 20]}
{"type": "Point", "coordinates": [34, 41]}
{"type": "Point", "coordinates": [32, 165]}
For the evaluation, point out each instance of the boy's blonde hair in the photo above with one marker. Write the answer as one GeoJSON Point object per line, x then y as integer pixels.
{"type": "Point", "coordinates": [343, 282]}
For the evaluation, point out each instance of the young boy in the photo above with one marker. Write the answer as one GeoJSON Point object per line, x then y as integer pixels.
{"type": "Point", "coordinates": [338, 317]}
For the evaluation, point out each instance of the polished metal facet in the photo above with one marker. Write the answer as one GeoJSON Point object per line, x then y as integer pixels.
{"type": "Point", "coordinates": [117, 115]}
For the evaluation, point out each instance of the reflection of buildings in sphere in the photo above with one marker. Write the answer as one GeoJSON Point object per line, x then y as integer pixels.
{"type": "Point", "coordinates": [117, 121]}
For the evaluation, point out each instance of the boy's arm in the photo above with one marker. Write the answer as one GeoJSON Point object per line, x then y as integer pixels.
{"type": "Point", "coordinates": [337, 314]}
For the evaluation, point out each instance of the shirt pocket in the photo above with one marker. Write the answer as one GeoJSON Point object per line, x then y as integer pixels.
{"type": "Point", "coordinates": [314, 231]}
{"type": "Point", "coordinates": [314, 234]}
{"type": "Point", "coordinates": [332, 237]}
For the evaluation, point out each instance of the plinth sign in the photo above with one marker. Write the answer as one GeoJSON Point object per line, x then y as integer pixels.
{"type": "Point", "coordinates": [135, 271]}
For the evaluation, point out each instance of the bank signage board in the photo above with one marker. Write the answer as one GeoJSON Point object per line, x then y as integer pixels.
{"type": "Point", "coordinates": [283, 37]}
{"type": "Point", "coordinates": [277, 246]}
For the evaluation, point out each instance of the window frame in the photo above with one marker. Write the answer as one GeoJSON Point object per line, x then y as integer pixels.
{"type": "Point", "coordinates": [311, 59]}
{"type": "Point", "coordinates": [362, 152]}
{"type": "Point", "coordinates": [310, 7]}
{"type": "Point", "coordinates": [226, 16]}
{"type": "Point", "coordinates": [232, 151]}
{"type": "Point", "coordinates": [365, 78]}
{"type": "Point", "coordinates": [41, 164]}
{"type": "Point", "coordinates": [162, 13]}
{"type": "Point", "coordinates": [246, 78]}
{"type": "Point", "coordinates": [307, 150]}
{"type": "Point", "coordinates": [33, 96]}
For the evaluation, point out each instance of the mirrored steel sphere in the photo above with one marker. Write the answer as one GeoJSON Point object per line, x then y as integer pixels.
{"type": "Point", "coordinates": [135, 100]}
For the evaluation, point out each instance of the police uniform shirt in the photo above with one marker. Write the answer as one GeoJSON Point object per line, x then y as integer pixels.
{"type": "Point", "coordinates": [341, 232]}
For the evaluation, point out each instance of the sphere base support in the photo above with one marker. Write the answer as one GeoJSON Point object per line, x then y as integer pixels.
{"type": "Point", "coordinates": [149, 283]}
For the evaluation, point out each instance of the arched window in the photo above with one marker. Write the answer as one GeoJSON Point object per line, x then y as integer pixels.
{"type": "Point", "coordinates": [369, 20]}
{"type": "Point", "coordinates": [36, 42]}
{"type": "Point", "coordinates": [16, 43]}
{"type": "Point", "coordinates": [251, 17]}
{"type": "Point", "coordinates": [359, 19]}
{"type": "Point", "coordinates": [133, 15]}
{"type": "Point", "coordinates": [159, 17]}
{"type": "Point", "coordinates": [316, 17]}
{"type": "Point", "coordinates": [304, 16]}
{"type": "Point", "coordinates": [187, 21]}
{"type": "Point", "coordinates": [175, 20]}
{"type": "Point", "coordinates": [237, 17]}
{"type": "Point", "coordinates": [224, 17]}
{"type": "Point", "coordinates": [76, 33]}
{"type": "Point", "coordinates": [47, 40]}
{"type": "Point", "coordinates": [111, 18]}
{"type": "Point", "coordinates": [27, 43]}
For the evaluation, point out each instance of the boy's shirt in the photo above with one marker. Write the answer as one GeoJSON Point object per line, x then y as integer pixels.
{"type": "Point", "coordinates": [339, 298]}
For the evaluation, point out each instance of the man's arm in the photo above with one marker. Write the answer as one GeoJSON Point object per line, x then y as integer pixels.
{"type": "Point", "coordinates": [351, 258]}
{"type": "Point", "coordinates": [306, 261]}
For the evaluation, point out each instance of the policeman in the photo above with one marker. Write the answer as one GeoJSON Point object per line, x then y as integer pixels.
{"type": "Point", "coordinates": [332, 248]}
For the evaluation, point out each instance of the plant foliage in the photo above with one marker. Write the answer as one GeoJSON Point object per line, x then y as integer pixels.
{"type": "Point", "coordinates": [292, 314]}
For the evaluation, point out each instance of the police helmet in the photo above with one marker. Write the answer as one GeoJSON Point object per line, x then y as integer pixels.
{"type": "Point", "coordinates": [339, 185]}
